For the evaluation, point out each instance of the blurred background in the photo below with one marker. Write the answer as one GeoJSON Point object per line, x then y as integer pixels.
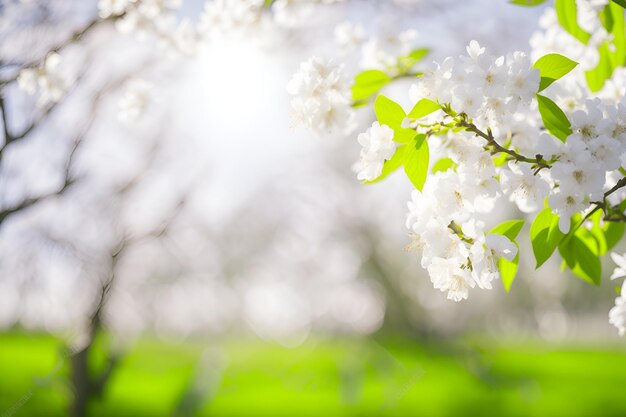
{"type": "Point", "coordinates": [172, 244]}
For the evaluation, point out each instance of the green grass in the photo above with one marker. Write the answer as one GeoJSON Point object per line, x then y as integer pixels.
{"type": "Point", "coordinates": [324, 377]}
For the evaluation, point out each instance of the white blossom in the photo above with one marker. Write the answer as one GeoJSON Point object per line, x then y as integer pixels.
{"type": "Point", "coordinates": [526, 190]}
{"type": "Point", "coordinates": [322, 97]}
{"type": "Point", "coordinates": [51, 79]}
{"type": "Point", "coordinates": [378, 146]}
{"type": "Point", "coordinates": [135, 99]}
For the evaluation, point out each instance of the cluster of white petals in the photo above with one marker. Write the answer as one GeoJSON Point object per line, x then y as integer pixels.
{"type": "Point", "coordinates": [456, 250]}
{"type": "Point", "coordinates": [152, 19]}
{"type": "Point", "coordinates": [322, 97]}
{"type": "Point", "coordinates": [242, 16]}
{"type": "Point", "coordinates": [617, 315]}
{"type": "Point", "coordinates": [135, 99]}
{"type": "Point", "coordinates": [497, 95]}
{"type": "Point", "coordinates": [594, 150]}
{"type": "Point", "coordinates": [50, 79]}
{"type": "Point", "coordinates": [381, 53]}
{"type": "Point", "coordinates": [378, 146]}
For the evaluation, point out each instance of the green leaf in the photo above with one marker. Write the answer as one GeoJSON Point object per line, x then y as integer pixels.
{"type": "Point", "coordinates": [368, 83]}
{"type": "Point", "coordinates": [566, 13]}
{"type": "Point", "coordinates": [406, 62]}
{"type": "Point", "coordinates": [510, 229]}
{"type": "Point", "coordinates": [545, 235]}
{"type": "Point", "coordinates": [528, 3]}
{"type": "Point", "coordinates": [613, 233]}
{"type": "Point", "coordinates": [443, 165]}
{"type": "Point", "coordinates": [416, 161]}
{"type": "Point", "coordinates": [553, 118]}
{"type": "Point", "coordinates": [552, 67]}
{"type": "Point", "coordinates": [611, 53]}
{"type": "Point", "coordinates": [423, 108]}
{"type": "Point", "coordinates": [620, 2]}
{"type": "Point", "coordinates": [508, 269]}
{"type": "Point", "coordinates": [396, 161]}
{"type": "Point", "coordinates": [581, 257]}
{"type": "Point", "coordinates": [391, 114]}
{"type": "Point", "coordinates": [388, 111]}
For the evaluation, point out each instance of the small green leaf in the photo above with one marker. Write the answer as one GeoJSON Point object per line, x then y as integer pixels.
{"type": "Point", "coordinates": [612, 53]}
{"type": "Point", "coordinates": [620, 2]}
{"type": "Point", "coordinates": [443, 165]}
{"type": "Point", "coordinates": [388, 112]}
{"type": "Point", "coordinates": [510, 229]}
{"type": "Point", "coordinates": [406, 62]}
{"type": "Point", "coordinates": [552, 67]}
{"type": "Point", "coordinates": [508, 269]}
{"type": "Point", "coordinates": [391, 114]}
{"type": "Point", "coordinates": [581, 257]}
{"type": "Point", "coordinates": [416, 161]}
{"type": "Point", "coordinates": [567, 14]}
{"type": "Point", "coordinates": [423, 108]}
{"type": "Point", "coordinates": [613, 233]}
{"type": "Point", "coordinates": [391, 165]}
{"type": "Point", "coordinates": [553, 118]}
{"type": "Point", "coordinates": [545, 235]}
{"type": "Point", "coordinates": [368, 83]}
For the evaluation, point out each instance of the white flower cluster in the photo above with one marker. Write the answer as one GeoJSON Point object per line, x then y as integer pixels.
{"type": "Point", "coordinates": [240, 16]}
{"type": "Point", "coordinates": [617, 315]}
{"type": "Point", "coordinates": [492, 90]}
{"type": "Point", "coordinates": [227, 16]}
{"type": "Point", "coordinates": [135, 99]}
{"type": "Point", "coordinates": [322, 97]}
{"type": "Point", "coordinates": [456, 251]}
{"type": "Point", "coordinates": [594, 149]}
{"type": "Point", "coordinates": [152, 18]}
{"type": "Point", "coordinates": [497, 93]}
{"type": "Point", "coordinates": [290, 13]}
{"type": "Point", "coordinates": [51, 79]}
{"type": "Point", "coordinates": [378, 146]}
{"type": "Point", "coordinates": [382, 52]}
{"type": "Point", "coordinates": [349, 35]}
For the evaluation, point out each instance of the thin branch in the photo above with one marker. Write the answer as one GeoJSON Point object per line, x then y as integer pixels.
{"type": "Point", "coordinates": [5, 128]}
{"type": "Point", "coordinates": [75, 37]}
{"type": "Point", "coordinates": [488, 136]}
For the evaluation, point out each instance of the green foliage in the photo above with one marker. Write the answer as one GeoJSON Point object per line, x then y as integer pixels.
{"type": "Point", "coordinates": [510, 229]}
{"type": "Point", "coordinates": [415, 153]}
{"type": "Point", "coordinates": [545, 235]}
{"type": "Point", "coordinates": [552, 67]}
{"type": "Point", "coordinates": [621, 3]}
{"type": "Point", "coordinates": [566, 12]}
{"type": "Point", "coordinates": [416, 161]}
{"type": "Point", "coordinates": [443, 165]}
{"type": "Point", "coordinates": [391, 114]}
{"type": "Point", "coordinates": [580, 254]}
{"type": "Point", "coordinates": [423, 108]}
{"type": "Point", "coordinates": [553, 118]}
{"type": "Point", "coordinates": [611, 53]}
{"type": "Point", "coordinates": [606, 234]}
{"type": "Point", "coordinates": [368, 83]}
{"type": "Point", "coordinates": [408, 61]}
{"type": "Point", "coordinates": [508, 269]}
